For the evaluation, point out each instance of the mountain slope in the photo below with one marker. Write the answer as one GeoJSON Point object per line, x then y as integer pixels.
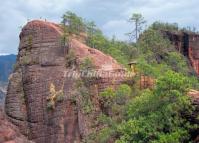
{"type": "Point", "coordinates": [6, 66]}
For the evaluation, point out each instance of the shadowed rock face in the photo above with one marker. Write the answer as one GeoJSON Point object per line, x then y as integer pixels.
{"type": "Point", "coordinates": [40, 63]}
{"type": "Point", "coordinates": [9, 133]}
{"type": "Point", "coordinates": [194, 117]}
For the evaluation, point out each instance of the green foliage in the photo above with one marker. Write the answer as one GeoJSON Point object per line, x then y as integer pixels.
{"type": "Point", "coordinates": [138, 20]}
{"type": "Point", "coordinates": [104, 135]}
{"type": "Point", "coordinates": [70, 59]}
{"type": "Point", "coordinates": [153, 45]}
{"type": "Point", "coordinates": [165, 26]}
{"type": "Point", "coordinates": [123, 90]}
{"type": "Point", "coordinates": [87, 64]}
{"type": "Point", "coordinates": [157, 55]}
{"type": "Point", "coordinates": [177, 62]}
{"type": "Point", "coordinates": [73, 22]}
{"type": "Point", "coordinates": [172, 83]}
{"type": "Point", "coordinates": [122, 94]}
{"type": "Point", "coordinates": [108, 93]}
{"type": "Point", "coordinates": [155, 116]}
{"type": "Point", "coordinates": [108, 96]}
{"type": "Point", "coordinates": [86, 103]}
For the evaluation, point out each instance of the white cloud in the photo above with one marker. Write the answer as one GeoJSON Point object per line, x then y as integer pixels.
{"type": "Point", "coordinates": [110, 15]}
{"type": "Point", "coordinates": [117, 28]}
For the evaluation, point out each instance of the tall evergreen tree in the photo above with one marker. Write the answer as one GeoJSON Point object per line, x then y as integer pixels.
{"type": "Point", "coordinates": [138, 20]}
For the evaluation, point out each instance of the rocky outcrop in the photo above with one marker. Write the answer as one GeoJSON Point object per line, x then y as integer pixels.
{"type": "Point", "coordinates": [9, 133]}
{"type": "Point", "coordinates": [40, 64]}
{"type": "Point", "coordinates": [186, 43]}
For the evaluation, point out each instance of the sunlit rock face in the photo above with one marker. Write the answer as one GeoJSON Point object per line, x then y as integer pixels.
{"type": "Point", "coordinates": [41, 63]}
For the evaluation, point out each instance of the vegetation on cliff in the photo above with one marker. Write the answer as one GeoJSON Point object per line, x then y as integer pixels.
{"type": "Point", "coordinates": [156, 115]}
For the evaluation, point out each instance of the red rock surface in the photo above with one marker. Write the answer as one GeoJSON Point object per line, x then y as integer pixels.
{"type": "Point", "coordinates": [10, 133]}
{"type": "Point", "coordinates": [41, 62]}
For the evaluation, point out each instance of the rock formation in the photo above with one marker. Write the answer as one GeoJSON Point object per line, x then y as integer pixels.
{"type": "Point", "coordinates": [186, 43]}
{"type": "Point", "coordinates": [40, 64]}
{"type": "Point", "coordinates": [10, 133]}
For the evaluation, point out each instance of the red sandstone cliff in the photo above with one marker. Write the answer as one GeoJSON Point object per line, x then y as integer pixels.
{"type": "Point", "coordinates": [40, 63]}
{"type": "Point", "coordinates": [186, 43]}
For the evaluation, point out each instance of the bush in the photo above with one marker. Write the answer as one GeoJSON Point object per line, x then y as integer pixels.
{"type": "Point", "coordinates": [177, 62]}
{"type": "Point", "coordinates": [108, 96]}
{"type": "Point", "coordinates": [156, 116]}
{"type": "Point", "coordinates": [70, 59]}
{"type": "Point", "coordinates": [54, 97]}
{"type": "Point", "coordinates": [86, 103]}
{"type": "Point", "coordinates": [87, 64]}
{"type": "Point", "coordinates": [122, 94]}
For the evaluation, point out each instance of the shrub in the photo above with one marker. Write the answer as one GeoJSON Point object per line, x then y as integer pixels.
{"type": "Point", "coordinates": [122, 93]}
{"type": "Point", "coordinates": [156, 116]}
{"type": "Point", "coordinates": [54, 97]}
{"type": "Point", "coordinates": [86, 103]}
{"type": "Point", "coordinates": [86, 64]}
{"type": "Point", "coordinates": [177, 62]}
{"type": "Point", "coordinates": [108, 96]}
{"type": "Point", "coordinates": [70, 59]}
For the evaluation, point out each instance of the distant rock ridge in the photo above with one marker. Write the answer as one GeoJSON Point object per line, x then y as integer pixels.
{"type": "Point", "coordinates": [41, 64]}
{"type": "Point", "coordinates": [6, 66]}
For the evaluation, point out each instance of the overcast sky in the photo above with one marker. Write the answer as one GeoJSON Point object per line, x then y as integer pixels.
{"type": "Point", "coordinates": [110, 15]}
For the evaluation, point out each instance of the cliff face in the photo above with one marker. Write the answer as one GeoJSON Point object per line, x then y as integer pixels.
{"type": "Point", "coordinates": [187, 44]}
{"type": "Point", "coordinates": [40, 64]}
